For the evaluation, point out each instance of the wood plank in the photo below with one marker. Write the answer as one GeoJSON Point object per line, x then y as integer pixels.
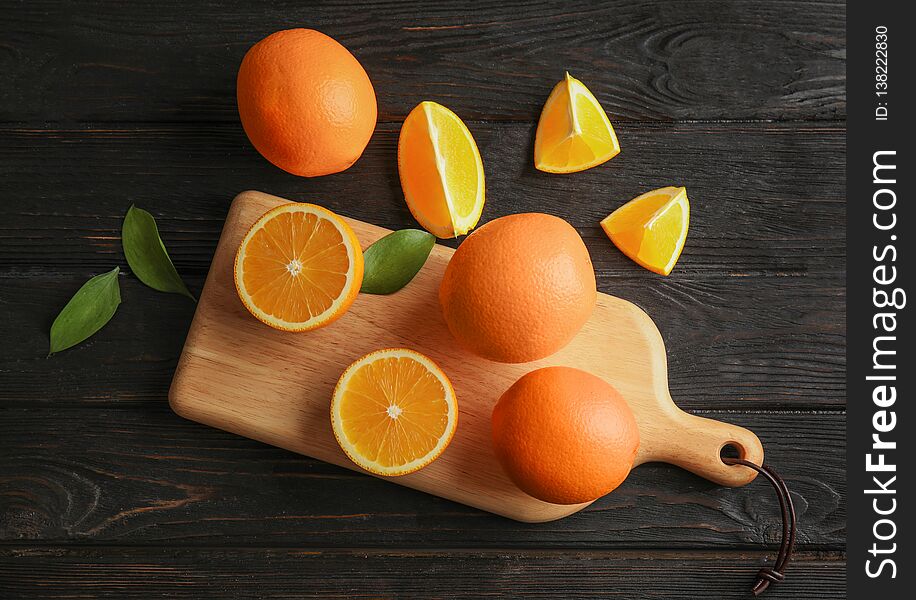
{"type": "Point", "coordinates": [146, 476]}
{"type": "Point", "coordinates": [766, 198]}
{"type": "Point", "coordinates": [753, 316]}
{"type": "Point", "coordinates": [733, 343]}
{"type": "Point", "coordinates": [173, 61]}
{"type": "Point", "coordinates": [124, 573]}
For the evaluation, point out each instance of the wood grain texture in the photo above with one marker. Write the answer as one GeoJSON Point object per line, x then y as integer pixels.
{"type": "Point", "coordinates": [236, 374]}
{"type": "Point", "coordinates": [105, 493]}
{"type": "Point", "coordinates": [145, 476]}
{"type": "Point", "coordinates": [767, 198]}
{"type": "Point", "coordinates": [733, 343]}
{"type": "Point", "coordinates": [753, 316]}
{"type": "Point", "coordinates": [170, 61]}
{"type": "Point", "coordinates": [55, 572]}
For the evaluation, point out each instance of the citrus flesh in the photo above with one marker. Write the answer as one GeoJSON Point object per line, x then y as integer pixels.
{"type": "Point", "coordinates": [299, 267]}
{"type": "Point", "coordinates": [651, 229]}
{"type": "Point", "coordinates": [440, 170]}
{"type": "Point", "coordinates": [574, 133]}
{"type": "Point", "coordinates": [393, 411]}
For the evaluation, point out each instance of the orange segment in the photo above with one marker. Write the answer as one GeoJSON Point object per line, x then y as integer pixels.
{"type": "Point", "coordinates": [573, 132]}
{"type": "Point", "coordinates": [652, 228]}
{"type": "Point", "coordinates": [299, 267]}
{"type": "Point", "coordinates": [394, 411]}
{"type": "Point", "coordinates": [441, 171]}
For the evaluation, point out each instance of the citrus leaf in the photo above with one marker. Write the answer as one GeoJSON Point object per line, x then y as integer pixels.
{"type": "Point", "coordinates": [392, 261]}
{"type": "Point", "coordinates": [146, 253]}
{"type": "Point", "coordinates": [90, 308]}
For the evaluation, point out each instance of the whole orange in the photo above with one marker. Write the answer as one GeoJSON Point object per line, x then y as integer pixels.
{"type": "Point", "coordinates": [519, 288]}
{"type": "Point", "coordinates": [305, 102]}
{"type": "Point", "coordinates": [564, 436]}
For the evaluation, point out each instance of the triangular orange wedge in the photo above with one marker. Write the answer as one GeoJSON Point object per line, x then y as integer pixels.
{"type": "Point", "coordinates": [651, 229]}
{"type": "Point", "coordinates": [299, 267]}
{"type": "Point", "coordinates": [441, 171]}
{"type": "Point", "coordinates": [573, 132]}
{"type": "Point", "coordinates": [394, 411]}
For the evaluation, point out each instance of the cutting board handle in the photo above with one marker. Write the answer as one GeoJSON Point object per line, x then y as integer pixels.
{"type": "Point", "coordinates": [695, 443]}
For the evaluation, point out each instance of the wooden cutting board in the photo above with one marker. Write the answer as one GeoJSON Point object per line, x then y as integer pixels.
{"type": "Point", "coordinates": [239, 375]}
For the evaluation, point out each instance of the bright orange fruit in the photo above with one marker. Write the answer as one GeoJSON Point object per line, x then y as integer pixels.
{"type": "Point", "coordinates": [564, 436]}
{"type": "Point", "coordinates": [299, 267]}
{"type": "Point", "coordinates": [394, 411]}
{"type": "Point", "coordinates": [651, 229]}
{"type": "Point", "coordinates": [441, 171]}
{"type": "Point", "coordinates": [573, 132]}
{"type": "Point", "coordinates": [305, 102]}
{"type": "Point", "coordinates": [519, 288]}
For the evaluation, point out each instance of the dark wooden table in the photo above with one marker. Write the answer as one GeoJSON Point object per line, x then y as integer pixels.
{"type": "Point", "coordinates": [105, 493]}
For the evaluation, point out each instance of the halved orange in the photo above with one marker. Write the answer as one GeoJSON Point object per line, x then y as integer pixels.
{"type": "Point", "coordinates": [394, 411]}
{"type": "Point", "coordinates": [441, 171]}
{"type": "Point", "coordinates": [573, 132]}
{"type": "Point", "coordinates": [299, 267]}
{"type": "Point", "coordinates": [651, 229]}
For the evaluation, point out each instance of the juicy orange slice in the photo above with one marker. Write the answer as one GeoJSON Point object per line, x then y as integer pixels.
{"type": "Point", "coordinates": [441, 171]}
{"type": "Point", "coordinates": [573, 132]}
{"type": "Point", "coordinates": [393, 411]}
{"type": "Point", "coordinates": [299, 267]}
{"type": "Point", "coordinates": [651, 228]}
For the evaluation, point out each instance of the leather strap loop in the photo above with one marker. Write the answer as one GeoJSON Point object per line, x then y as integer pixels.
{"type": "Point", "coordinates": [776, 573]}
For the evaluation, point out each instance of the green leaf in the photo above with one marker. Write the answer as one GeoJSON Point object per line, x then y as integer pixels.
{"type": "Point", "coordinates": [392, 261]}
{"type": "Point", "coordinates": [146, 253]}
{"type": "Point", "coordinates": [90, 308]}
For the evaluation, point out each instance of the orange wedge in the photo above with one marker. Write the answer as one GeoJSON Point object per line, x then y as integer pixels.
{"type": "Point", "coordinates": [393, 411]}
{"type": "Point", "coordinates": [573, 132]}
{"type": "Point", "coordinates": [651, 228]}
{"type": "Point", "coordinates": [441, 171]}
{"type": "Point", "coordinates": [299, 267]}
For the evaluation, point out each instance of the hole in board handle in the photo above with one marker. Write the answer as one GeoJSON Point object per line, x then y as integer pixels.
{"type": "Point", "coordinates": [732, 450]}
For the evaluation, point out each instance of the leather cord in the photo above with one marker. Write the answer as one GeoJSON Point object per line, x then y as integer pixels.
{"type": "Point", "coordinates": [776, 573]}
